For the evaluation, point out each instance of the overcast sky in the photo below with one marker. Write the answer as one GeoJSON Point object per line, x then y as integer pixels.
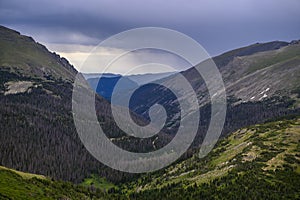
{"type": "Point", "coordinates": [73, 28]}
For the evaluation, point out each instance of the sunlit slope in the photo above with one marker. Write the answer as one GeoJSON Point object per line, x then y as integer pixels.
{"type": "Point", "coordinates": [19, 185]}
{"type": "Point", "coordinates": [254, 162]}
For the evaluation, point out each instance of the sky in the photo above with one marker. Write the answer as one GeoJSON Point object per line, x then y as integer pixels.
{"type": "Point", "coordinates": [74, 28]}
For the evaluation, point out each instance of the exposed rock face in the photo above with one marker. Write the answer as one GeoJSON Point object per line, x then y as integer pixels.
{"type": "Point", "coordinates": [16, 87]}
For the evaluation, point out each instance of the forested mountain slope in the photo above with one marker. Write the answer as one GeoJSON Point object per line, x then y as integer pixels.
{"type": "Point", "coordinates": [37, 132]}
{"type": "Point", "coordinates": [256, 162]}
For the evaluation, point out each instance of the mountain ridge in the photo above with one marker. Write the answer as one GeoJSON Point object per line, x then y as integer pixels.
{"type": "Point", "coordinates": [240, 68]}
{"type": "Point", "coordinates": [29, 58]}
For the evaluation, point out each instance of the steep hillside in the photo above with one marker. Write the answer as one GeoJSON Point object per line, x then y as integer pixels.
{"type": "Point", "coordinates": [261, 81]}
{"type": "Point", "coordinates": [257, 162]}
{"type": "Point", "coordinates": [37, 131]}
{"type": "Point", "coordinates": [264, 74]}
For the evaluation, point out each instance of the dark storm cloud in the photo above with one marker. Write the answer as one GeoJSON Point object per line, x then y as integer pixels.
{"type": "Point", "coordinates": [217, 24]}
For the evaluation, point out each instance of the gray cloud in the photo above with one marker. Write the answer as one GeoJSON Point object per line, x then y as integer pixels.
{"type": "Point", "coordinates": [217, 25]}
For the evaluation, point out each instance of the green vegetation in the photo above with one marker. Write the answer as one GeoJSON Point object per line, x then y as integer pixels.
{"type": "Point", "coordinates": [225, 58]}
{"type": "Point", "coordinates": [19, 185]}
{"type": "Point", "coordinates": [288, 56]}
{"type": "Point", "coordinates": [24, 175]}
{"type": "Point", "coordinates": [259, 162]}
{"type": "Point", "coordinates": [97, 182]}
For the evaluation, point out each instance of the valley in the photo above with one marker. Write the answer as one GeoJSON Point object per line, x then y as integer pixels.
{"type": "Point", "coordinates": [257, 156]}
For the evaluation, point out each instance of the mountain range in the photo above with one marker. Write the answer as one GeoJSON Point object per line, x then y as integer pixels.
{"type": "Point", "coordinates": [257, 156]}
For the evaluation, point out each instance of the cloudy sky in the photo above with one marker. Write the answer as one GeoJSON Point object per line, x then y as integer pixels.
{"type": "Point", "coordinates": [73, 28]}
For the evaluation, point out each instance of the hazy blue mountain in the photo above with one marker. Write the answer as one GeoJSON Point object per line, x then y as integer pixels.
{"type": "Point", "coordinates": [142, 79]}
{"type": "Point", "coordinates": [106, 84]}
{"type": "Point", "coordinates": [97, 75]}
